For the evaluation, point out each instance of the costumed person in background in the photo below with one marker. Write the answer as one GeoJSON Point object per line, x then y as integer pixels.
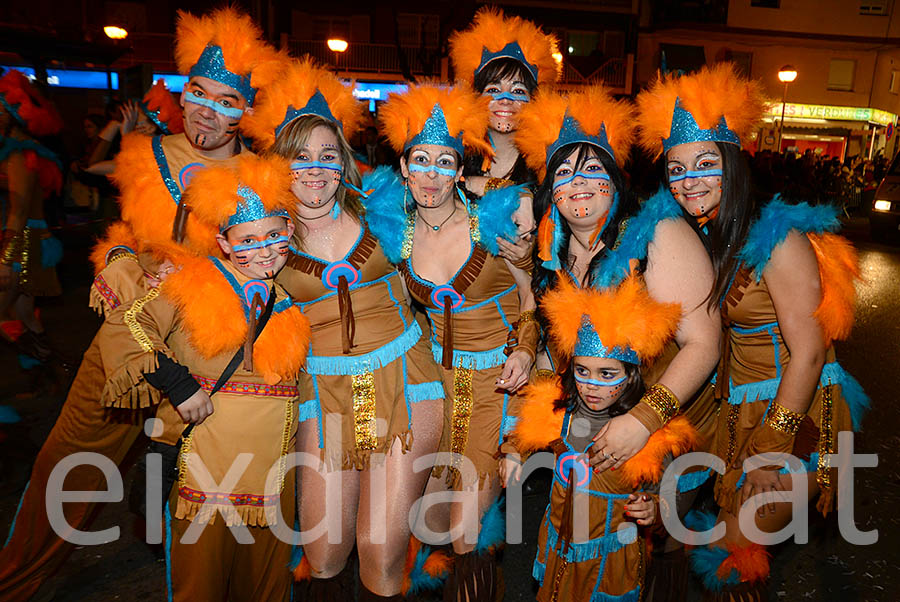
{"type": "Point", "coordinates": [588, 545]}
{"type": "Point", "coordinates": [222, 327]}
{"type": "Point", "coordinates": [151, 173]}
{"type": "Point", "coordinates": [484, 332]}
{"type": "Point", "coordinates": [506, 59]}
{"type": "Point", "coordinates": [28, 252]}
{"type": "Point", "coordinates": [157, 114]}
{"type": "Point", "coordinates": [785, 286]}
{"type": "Point", "coordinates": [371, 394]}
{"type": "Point", "coordinates": [592, 231]}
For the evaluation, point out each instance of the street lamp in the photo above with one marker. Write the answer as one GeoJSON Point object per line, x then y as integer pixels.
{"type": "Point", "coordinates": [115, 32]}
{"type": "Point", "coordinates": [786, 75]}
{"type": "Point", "coordinates": [337, 44]}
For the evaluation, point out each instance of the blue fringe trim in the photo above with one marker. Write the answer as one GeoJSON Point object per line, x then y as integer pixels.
{"type": "Point", "coordinates": [12, 527]}
{"type": "Point", "coordinates": [693, 480]}
{"type": "Point", "coordinates": [494, 212]}
{"type": "Point", "coordinates": [592, 548]}
{"type": "Point", "coordinates": [348, 365]}
{"type": "Point", "coordinates": [537, 571]}
{"type": "Point", "coordinates": [385, 214]}
{"type": "Point", "coordinates": [634, 238]}
{"type": "Point", "coordinates": [476, 360]}
{"type": "Point", "coordinates": [168, 523]}
{"type": "Point", "coordinates": [493, 527]}
{"type": "Point", "coordinates": [509, 424]}
{"type": "Point", "coordinates": [419, 580]}
{"type": "Point", "coordinates": [51, 251]}
{"type": "Point", "coordinates": [696, 520]}
{"type": "Point", "coordinates": [832, 373]}
{"type": "Point", "coordinates": [308, 410]}
{"type": "Point", "coordinates": [632, 596]}
{"type": "Point", "coordinates": [9, 146]}
{"type": "Point", "coordinates": [424, 391]}
{"type": "Point", "coordinates": [775, 221]}
{"type": "Point", "coordinates": [705, 561]}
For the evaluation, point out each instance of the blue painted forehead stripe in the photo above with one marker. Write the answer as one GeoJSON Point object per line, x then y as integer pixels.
{"type": "Point", "coordinates": [260, 244]}
{"type": "Point", "coordinates": [230, 112]}
{"type": "Point", "coordinates": [695, 174]}
{"type": "Point", "coordinates": [439, 170]}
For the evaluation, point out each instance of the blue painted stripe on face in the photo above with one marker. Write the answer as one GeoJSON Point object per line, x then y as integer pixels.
{"type": "Point", "coordinates": [231, 112]}
{"type": "Point", "coordinates": [696, 174]}
{"type": "Point", "coordinates": [314, 164]}
{"type": "Point", "coordinates": [450, 173]}
{"type": "Point", "coordinates": [259, 244]}
{"type": "Point", "coordinates": [511, 96]}
{"type": "Point", "coordinates": [600, 383]}
{"type": "Point", "coordinates": [592, 176]}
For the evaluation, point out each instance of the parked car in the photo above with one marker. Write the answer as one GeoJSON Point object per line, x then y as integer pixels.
{"type": "Point", "coordinates": [884, 217]}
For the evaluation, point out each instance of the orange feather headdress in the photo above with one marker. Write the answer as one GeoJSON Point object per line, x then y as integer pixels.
{"type": "Point", "coordinates": [304, 88]}
{"type": "Point", "coordinates": [258, 187]}
{"type": "Point", "coordinates": [624, 323]}
{"type": "Point", "coordinates": [26, 105]}
{"type": "Point", "coordinates": [552, 120]}
{"type": "Point", "coordinates": [161, 108]}
{"type": "Point", "coordinates": [430, 114]}
{"type": "Point", "coordinates": [224, 45]}
{"type": "Point", "coordinates": [713, 104]}
{"type": "Point", "coordinates": [492, 35]}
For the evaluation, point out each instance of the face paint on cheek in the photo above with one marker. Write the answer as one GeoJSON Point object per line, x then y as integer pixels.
{"type": "Point", "coordinates": [581, 211]}
{"type": "Point", "coordinates": [242, 258]}
{"type": "Point", "coordinates": [200, 139]}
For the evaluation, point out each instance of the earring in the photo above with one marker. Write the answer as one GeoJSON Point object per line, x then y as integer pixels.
{"type": "Point", "coordinates": [405, 193]}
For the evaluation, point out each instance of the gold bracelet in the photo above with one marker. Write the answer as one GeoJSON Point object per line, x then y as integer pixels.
{"type": "Point", "coordinates": [527, 316]}
{"type": "Point", "coordinates": [495, 184]}
{"type": "Point", "coordinates": [663, 401]}
{"type": "Point", "coordinates": [12, 243]}
{"type": "Point", "coordinates": [784, 420]}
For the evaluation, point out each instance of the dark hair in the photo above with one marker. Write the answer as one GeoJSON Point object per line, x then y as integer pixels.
{"type": "Point", "coordinates": [728, 231]}
{"type": "Point", "coordinates": [544, 279]}
{"type": "Point", "coordinates": [631, 394]}
{"type": "Point", "coordinates": [503, 68]}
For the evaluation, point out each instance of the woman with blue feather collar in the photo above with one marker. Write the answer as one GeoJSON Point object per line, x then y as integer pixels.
{"type": "Point", "coordinates": [784, 284]}
{"type": "Point", "coordinates": [476, 302]}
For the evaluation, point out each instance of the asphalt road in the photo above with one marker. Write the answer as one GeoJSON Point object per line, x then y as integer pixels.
{"type": "Point", "coordinates": [825, 568]}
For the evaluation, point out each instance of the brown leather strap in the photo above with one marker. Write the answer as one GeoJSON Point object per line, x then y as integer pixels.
{"type": "Point", "coordinates": [447, 342]}
{"type": "Point", "coordinates": [179, 225]}
{"type": "Point", "coordinates": [565, 519]}
{"type": "Point", "coordinates": [255, 306]}
{"type": "Point", "coordinates": [345, 308]}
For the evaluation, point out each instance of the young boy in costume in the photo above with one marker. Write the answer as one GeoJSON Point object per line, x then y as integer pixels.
{"type": "Point", "coordinates": [218, 52]}
{"type": "Point", "coordinates": [177, 342]}
{"type": "Point", "coordinates": [604, 336]}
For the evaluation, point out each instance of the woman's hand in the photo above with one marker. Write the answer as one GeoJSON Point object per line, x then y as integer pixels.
{"type": "Point", "coordinates": [130, 112]}
{"type": "Point", "coordinates": [515, 371]}
{"type": "Point", "coordinates": [762, 482]}
{"type": "Point", "coordinates": [518, 251]}
{"type": "Point", "coordinates": [618, 440]}
{"type": "Point", "coordinates": [524, 215]}
{"type": "Point", "coordinates": [642, 508]}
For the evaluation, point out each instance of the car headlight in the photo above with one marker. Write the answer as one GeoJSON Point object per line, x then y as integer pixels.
{"type": "Point", "coordinates": [882, 205]}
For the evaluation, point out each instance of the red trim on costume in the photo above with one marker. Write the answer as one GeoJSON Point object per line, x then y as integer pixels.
{"type": "Point", "coordinates": [106, 292]}
{"type": "Point", "coordinates": [239, 388]}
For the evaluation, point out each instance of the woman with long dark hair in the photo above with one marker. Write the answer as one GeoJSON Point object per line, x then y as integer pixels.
{"type": "Point", "coordinates": [784, 284]}
{"type": "Point", "coordinates": [507, 60]}
{"type": "Point", "coordinates": [592, 230]}
{"type": "Point", "coordinates": [371, 396]}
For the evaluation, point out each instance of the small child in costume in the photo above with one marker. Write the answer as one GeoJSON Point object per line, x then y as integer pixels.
{"type": "Point", "coordinates": [172, 346]}
{"type": "Point", "coordinates": [588, 547]}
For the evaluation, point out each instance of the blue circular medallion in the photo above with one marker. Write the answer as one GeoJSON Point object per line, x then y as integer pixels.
{"type": "Point", "coordinates": [331, 275]}
{"type": "Point", "coordinates": [251, 289]}
{"type": "Point", "coordinates": [444, 294]}
{"type": "Point", "coordinates": [569, 460]}
{"type": "Point", "coordinates": [187, 173]}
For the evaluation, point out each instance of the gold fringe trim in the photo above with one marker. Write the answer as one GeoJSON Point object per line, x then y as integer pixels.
{"type": "Point", "coordinates": [127, 389]}
{"type": "Point", "coordinates": [364, 411]}
{"type": "Point", "coordinates": [826, 447]}
{"type": "Point", "coordinates": [130, 320]}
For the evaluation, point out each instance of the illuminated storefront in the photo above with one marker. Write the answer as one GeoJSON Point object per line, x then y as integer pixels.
{"type": "Point", "coordinates": [833, 131]}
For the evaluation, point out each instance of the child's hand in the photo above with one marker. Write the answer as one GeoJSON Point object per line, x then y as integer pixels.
{"type": "Point", "coordinates": [510, 469]}
{"type": "Point", "coordinates": [642, 508]}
